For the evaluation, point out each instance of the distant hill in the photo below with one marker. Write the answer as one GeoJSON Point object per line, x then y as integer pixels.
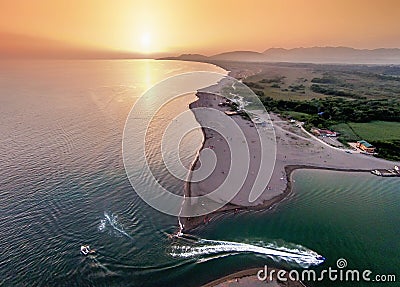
{"type": "Point", "coordinates": [245, 56]}
{"type": "Point", "coordinates": [248, 56]}
{"type": "Point", "coordinates": [187, 57]}
{"type": "Point", "coordinates": [305, 55]}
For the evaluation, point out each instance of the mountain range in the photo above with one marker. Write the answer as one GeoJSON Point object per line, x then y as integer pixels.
{"type": "Point", "coordinates": [25, 46]}
{"type": "Point", "coordinates": [344, 55]}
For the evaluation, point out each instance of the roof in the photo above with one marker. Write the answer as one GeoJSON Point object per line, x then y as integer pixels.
{"type": "Point", "coordinates": [326, 131]}
{"type": "Point", "coordinates": [365, 143]}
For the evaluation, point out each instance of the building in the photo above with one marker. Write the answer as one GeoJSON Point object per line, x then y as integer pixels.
{"type": "Point", "coordinates": [327, 133]}
{"type": "Point", "coordinates": [365, 146]}
{"type": "Point", "coordinates": [324, 133]}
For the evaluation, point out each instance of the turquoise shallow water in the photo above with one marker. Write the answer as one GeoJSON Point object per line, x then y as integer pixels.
{"type": "Point", "coordinates": [338, 214]}
{"type": "Point", "coordinates": [62, 184]}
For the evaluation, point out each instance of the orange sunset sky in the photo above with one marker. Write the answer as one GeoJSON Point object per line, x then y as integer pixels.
{"type": "Point", "coordinates": [207, 27]}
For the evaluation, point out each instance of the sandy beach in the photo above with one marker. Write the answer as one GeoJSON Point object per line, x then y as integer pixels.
{"type": "Point", "coordinates": [295, 149]}
{"type": "Point", "coordinates": [249, 278]}
{"type": "Point", "coordinates": [221, 147]}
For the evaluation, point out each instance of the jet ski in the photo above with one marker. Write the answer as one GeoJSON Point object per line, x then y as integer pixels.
{"type": "Point", "coordinates": [85, 250]}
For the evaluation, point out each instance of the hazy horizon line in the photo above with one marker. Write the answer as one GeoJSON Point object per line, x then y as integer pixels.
{"type": "Point", "coordinates": [31, 46]}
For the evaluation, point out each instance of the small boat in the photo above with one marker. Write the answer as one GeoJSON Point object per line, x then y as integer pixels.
{"type": "Point", "coordinates": [85, 250]}
{"type": "Point", "coordinates": [376, 172]}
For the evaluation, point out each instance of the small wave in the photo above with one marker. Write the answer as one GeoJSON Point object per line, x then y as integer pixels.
{"type": "Point", "coordinates": [112, 221]}
{"type": "Point", "coordinates": [203, 248]}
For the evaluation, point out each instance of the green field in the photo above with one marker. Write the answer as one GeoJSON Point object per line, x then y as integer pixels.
{"type": "Point", "coordinates": [384, 135]}
{"type": "Point", "coordinates": [306, 81]}
{"type": "Point", "coordinates": [296, 115]}
{"type": "Point", "coordinates": [372, 131]}
{"type": "Point", "coordinates": [359, 101]}
{"type": "Point", "coordinates": [285, 83]}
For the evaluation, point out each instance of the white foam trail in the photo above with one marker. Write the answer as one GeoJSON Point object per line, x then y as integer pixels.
{"type": "Point", "coordinates": [112, 220]}
{"type": "Point", "coordinates": [298, 255]}
{"type": "Point", "coordinates": [180, 232]}
{"type": "Point", "coordinates": [102, 225]}
{"type": "Point", "coordinates": [202, 260]}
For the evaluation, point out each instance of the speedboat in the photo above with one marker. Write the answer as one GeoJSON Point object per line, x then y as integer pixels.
{"type": "Point", "coordinates": [85, 250]}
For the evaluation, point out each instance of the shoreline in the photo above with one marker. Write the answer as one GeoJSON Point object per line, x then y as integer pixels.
{"type": "Point", "coordinates": [195, 222]}
{"type": "Point", "coordinates": [281, 189]}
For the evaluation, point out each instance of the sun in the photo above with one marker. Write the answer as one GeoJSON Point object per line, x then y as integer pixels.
{"type": "Point", "coordinates": [145, 42]}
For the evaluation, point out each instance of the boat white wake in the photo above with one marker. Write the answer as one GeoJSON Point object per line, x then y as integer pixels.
{"type": "Point", "coordinates": [112, 220]}
{"type": "Point", "coordinates": [206, 250]}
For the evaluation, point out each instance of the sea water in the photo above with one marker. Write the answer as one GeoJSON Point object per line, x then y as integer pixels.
{"type": "Point", "coordinates": [62, 185]}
